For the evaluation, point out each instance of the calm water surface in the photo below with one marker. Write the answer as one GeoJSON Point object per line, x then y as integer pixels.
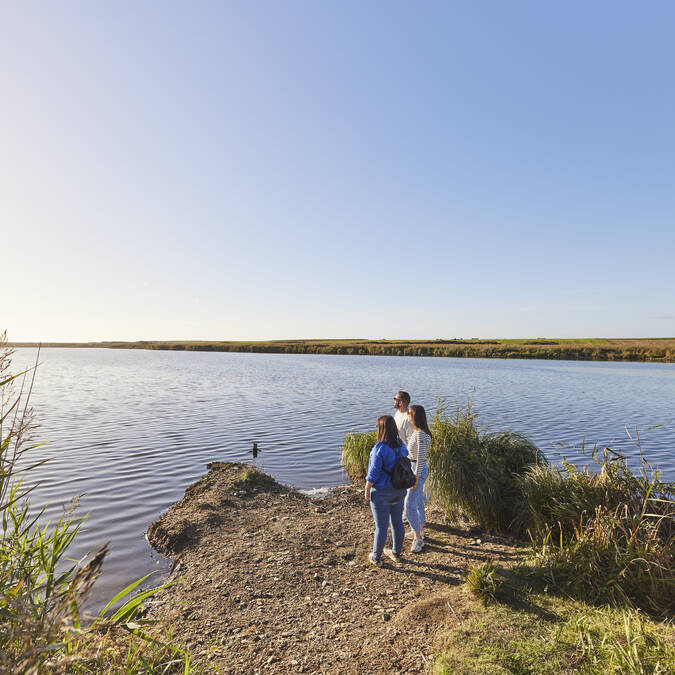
{"type": "Point", "coordinates": [130, 430]}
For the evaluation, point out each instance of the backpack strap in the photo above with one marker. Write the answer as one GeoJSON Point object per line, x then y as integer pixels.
{"type": "Point", "coordinates": [397, 452]}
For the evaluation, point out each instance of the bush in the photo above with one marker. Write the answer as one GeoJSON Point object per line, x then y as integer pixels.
{"type": "Point", "coordinates": [355, 453]}
{"type": "Point", "coordinates": [475, 475]}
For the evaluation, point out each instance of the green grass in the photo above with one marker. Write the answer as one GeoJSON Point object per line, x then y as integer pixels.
{"type": "Point", "coordinates": [528, 630]}
{"type": "Point", "coordinates": [483, 580]}
{"type": "Point", "coordinates": [606, 535]}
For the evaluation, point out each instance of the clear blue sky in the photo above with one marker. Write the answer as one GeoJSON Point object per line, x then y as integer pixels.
{"type": "Point", "coordinates": [253, 170]}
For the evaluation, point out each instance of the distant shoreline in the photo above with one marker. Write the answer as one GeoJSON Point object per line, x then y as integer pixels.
{"type": "Point", "coordinates": [593, 349]}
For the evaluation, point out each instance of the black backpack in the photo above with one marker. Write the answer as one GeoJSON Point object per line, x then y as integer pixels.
{"type": "Point", "coordinates": [402, 475]}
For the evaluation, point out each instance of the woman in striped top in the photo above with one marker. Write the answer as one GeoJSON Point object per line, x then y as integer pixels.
{"type": "Point", "coordinates": [418, 447]}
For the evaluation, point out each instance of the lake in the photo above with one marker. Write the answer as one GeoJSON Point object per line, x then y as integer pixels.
{"type": "Point", "coordinates": [129, 430]}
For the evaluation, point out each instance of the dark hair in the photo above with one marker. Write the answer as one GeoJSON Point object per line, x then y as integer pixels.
{"type": "Point", "coordinates": [387, 431]}
{"type": "Point", "coordinates": [404, 396]}
{"type": "Point", "coordinates": [419, 418]}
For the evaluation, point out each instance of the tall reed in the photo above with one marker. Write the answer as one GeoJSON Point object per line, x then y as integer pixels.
{"type": "Point", "coordinates": [475, 475]}
{"type": "Point", "coordinates": [355, 453]}
{"type": "Point", "coordinates": [609, 535]}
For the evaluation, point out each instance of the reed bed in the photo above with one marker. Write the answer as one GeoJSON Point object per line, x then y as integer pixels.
{"type": "Point", "coordinates": [607, 535]}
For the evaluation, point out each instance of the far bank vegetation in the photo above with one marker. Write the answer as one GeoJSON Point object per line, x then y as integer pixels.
{"type": "Point", "coordinates": [655, 349]}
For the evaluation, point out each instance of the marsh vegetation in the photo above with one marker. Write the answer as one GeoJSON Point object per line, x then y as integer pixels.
{"type": "Point", "coordinates": [592, 349]}
{"type": "Point", "coordinates": [597, 544]}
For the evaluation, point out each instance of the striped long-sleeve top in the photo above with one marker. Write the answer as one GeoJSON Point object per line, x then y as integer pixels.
{"type": "Point", "coordinates": [418, 448]}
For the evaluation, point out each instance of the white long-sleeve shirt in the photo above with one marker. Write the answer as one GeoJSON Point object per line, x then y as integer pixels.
{"type": "Point", "coordinates": [418, 446]}
{"type": "Point", "coordinates": [405, 429]}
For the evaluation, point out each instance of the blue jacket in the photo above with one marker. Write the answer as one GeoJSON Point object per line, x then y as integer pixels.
{"type": "Point", "coordinates": [383, 457]}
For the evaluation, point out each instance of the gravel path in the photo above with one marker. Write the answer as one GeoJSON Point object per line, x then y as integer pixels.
{"type": "Point", "coordinates": [268, 580]}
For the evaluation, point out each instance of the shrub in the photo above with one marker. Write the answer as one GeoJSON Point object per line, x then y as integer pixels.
{"type": "Point", "coordinates": [474, 474]}
{"type": "Point", "coordinates": [355, 453]}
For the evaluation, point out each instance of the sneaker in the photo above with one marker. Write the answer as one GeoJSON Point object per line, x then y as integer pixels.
{"type": "Point", "coordinates": [373, 560]}
{"type": "Point", "coordinates": [417, 545]}
{"type": "Point", "coordinates": [394, 557]}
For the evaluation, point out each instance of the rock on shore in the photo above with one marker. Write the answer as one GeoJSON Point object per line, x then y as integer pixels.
{"type": "Point", "coordinates": [268, 580]}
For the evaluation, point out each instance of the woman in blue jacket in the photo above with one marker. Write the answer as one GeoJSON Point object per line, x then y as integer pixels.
{"type": "Point", "coordinates": [385, 500]}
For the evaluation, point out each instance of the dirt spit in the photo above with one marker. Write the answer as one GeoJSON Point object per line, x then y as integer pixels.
{"type": "Point", "coordinates": [269, 580]}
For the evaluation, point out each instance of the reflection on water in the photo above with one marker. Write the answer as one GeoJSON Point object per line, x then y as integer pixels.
{"type": "Point", "coordinates": [129, 430]}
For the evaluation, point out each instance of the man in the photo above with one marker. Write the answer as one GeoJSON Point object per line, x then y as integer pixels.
{"type": "Point", "coordinates": [401, 401]}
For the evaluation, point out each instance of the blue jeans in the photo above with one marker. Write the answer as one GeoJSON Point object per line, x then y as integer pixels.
{"type": "Point", "coordinates": [414, 502]}
{"type": "Point", "coordinates": [387, 507]}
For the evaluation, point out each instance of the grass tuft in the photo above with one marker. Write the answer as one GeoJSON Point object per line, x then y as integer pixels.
{"type": "Point", "coordinates": [355, 453]}
{"type": "Point", "coordinates": [475, 475]}
{"type": "Point", "coordinates": [482, 580]}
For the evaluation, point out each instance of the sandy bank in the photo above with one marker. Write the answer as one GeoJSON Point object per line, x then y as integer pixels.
{"type": "Point", "coordinates": [269, 580]}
